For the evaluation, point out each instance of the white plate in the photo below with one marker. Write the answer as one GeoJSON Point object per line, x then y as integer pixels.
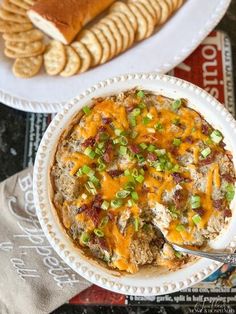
{"type": "Point", "coordinates": [163, 51]}
{"type": "Point", "coordinates": [150, 281]}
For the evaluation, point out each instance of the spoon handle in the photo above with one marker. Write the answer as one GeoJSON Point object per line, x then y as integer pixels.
{"type": "Point", "coordinates": [225, 258]}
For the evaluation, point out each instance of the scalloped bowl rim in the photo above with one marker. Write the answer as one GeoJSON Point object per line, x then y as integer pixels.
{"type": "Point", "coordinates": [145, 283]}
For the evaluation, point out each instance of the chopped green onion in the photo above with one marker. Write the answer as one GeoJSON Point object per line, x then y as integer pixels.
{"type": "Point", "coordinates": [140, 178]}
{"type": "Point", "coordinates": [140, 158]}
{"type": "Point", "coordinates": [140, 94]}
{"type": "Point", "coordinates": [177, 141]}
{"type": "Point", "coordinates": [150, 116]}
{"type": "Point", "coordinates": [173, 212]}
{"type": "Point", "coordinates": [123, 140]}
{"type": "Point", "coordinates": [151, 148]}
{"type": "Point", "coordinates": [136, 223]}
{"type": "Point", "coordinates": [180, 228]}
{"type": "Point", "coordinates": [98, 232]}
{"type": "Point", "coordinates": [160, 152]}
{"type": "Point", "coordinates": [89, 152]}
{"type": "Point", "coordinates": [159, 166]}
{"type": "Point", "coordinates": [101, 145]}
{"type": "Point", "coordinates": [176, 121]}
{"type": "Point", "coordinates": [118, 132]}
{"type": "Point", "coordinates": [193, 130]}
{"type": "Point", "coordinates": [146, 120]}
{"type": "Point", "coordinates": [176, 104]}
{"type": "Point", "coordinates": [134, 134]}
{"type": "Point", "coordinates": [116, 203]}
{"type": "Point", "coordinates": [196, 219]}
{"type": "Point", "coordinates": [175, 168]}
{"type": "Point", "coordinates": [105, 205]}
{"type": "Point", "coordinates": [103, 136]}
{"type": "Point", "coordinates": [129, 186]}
{"type": "Point", "coordinates": [151, 130]}
{"type": "Point", "coordinates": [143, 145]}
{"type": "Point", "coordinates": [91, 188]}
{"type": "Point", "coordinates": [122, 194]}
{"type": "Point", "coordinates": [116, 141]}
{"type": "Point", "coordinates": [134, 195]}
{"type": "Point", "coordinates": [132, 120]}
{"type": "Point", "coordinates": [104, 221]}
{"type": "Point", "coordinates": [230, 191]}
{"type": "Point", "coordinates": [86, 169]}
{"type": "Point", "coordinates": [84, 238]}
{"type": "Point", "coordinates": [142, 105]}
{"type": "Point", "coordinates": [136, 112]}
{"type": "Point", "coordinates": [130, 203]}
{"type": "Point", "coordinates": [123, 150]}
{"type": "Point", "coordinates": [101, 167]}
{"type": "Point", "coordinates": [84, 196]}
{"type": "Point", "coordinates": [195, 201]}
{"type": "Point", "coordinates": [178, 254]}
{"type": "Point", "coordinates": [216, 136]}
{"type": "Point", "coordinates": [98, 151]}
{"type": "Point", "coordinates": [86, 110]}
{"type": "Point", "coordinates": [135, 172]}
{"type": "Point", "coordinates": [158, 126]}
{"type": "Point", "coordinates": [94, 180]}
{"type": "Point", "coordinates": [141, 171]}
{"type": "Point", "coordinates": [127, 173]}
{"type": "Point", "coordinates": [205, 152]}
{"type": "Point", "coordinates": [79, 173]}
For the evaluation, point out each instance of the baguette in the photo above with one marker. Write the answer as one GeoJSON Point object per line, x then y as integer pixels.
{"type": "Point", "coordinates": [63, 19]}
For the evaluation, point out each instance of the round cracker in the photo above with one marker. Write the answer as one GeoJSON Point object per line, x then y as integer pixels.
{"type": "Point", "coordinates": [10, 27]}
{"type": "Point", "coordinates": [84, 54]}
{"type": "Point", "coordinates": [26, 37]}
{"type": "Point", "coordinates": [10, 7]}
{"type": "Point", "coordinates": [29, 2]}
{"type": "Point", "coordinates": [179, 4]}
{"type": "Point", "coordinates": [157, 9]}
{"type": "Point", "coordinates": [165, 11]}
{"type": "Point", "coordinates": [90, 40]}
{"type": "Point", "coordinates": [148, 7]}
{"type": "Point", "coordinates": [128, 26]}
{"type": "Point", "coordinates": [15, 54]}
{"type": "Point", "coordinates": [12, 17]}
{"type": "Point", "coordinates": [21, 4]}
{"type": "Point", "coordinates": [54, 58]}
{"type": "Point", "coordinates": [23, 47]}
{"type": "Point", "coordinates": [170, 3]}
{"type": "Point", "coordinates": [72, 64]}
{"type": "Point", "coordinates": [149, 18]}
{"type": "Point", "coordinates": [142, 22]}
{"type": "Point", "coordinates": [122, 7]}
{"type": "Point", "coordinates": [112, 34]}
{"type": "Point", "coordinates": [106, 50]}
{"type": "Point", "coordinates": [27, 67]}
{"type": "Point", "coordinates": [123, 30]}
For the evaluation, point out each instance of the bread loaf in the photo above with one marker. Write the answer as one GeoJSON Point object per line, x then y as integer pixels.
{"type": "Point", "coordinates": [63, 19]}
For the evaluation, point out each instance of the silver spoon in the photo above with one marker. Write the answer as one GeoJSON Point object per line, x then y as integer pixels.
{"type": "Point", "coordinates": [225, 258]}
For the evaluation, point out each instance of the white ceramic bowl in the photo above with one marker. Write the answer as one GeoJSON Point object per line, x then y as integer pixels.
{"type": "Point", "coordinates": [149, 281]}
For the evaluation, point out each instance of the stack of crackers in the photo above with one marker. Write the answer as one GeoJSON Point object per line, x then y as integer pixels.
{"type": "Point", "coordinates": [125, 24]}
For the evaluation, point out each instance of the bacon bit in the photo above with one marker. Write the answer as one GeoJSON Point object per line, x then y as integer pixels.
{"type": "Point", "coordinates": [134, 148]}
{"type": "Point", "coordinates": [180, 198]}
{"type": "Point", "coordinates": [108, 155]}
{"type": "Point", "coordinates": [101, 242]}
{"type": "Point", "coordinates": [228, 177]}
{"type": "Point", "coordinates": [218, 204]}
{"type": "Point", "coordinates": [106, 120]}
{"type": "Point", "coordinates": [187, 180]}
{"type": "Point", "coordinates": [97, 202]}
{"type": "Point", "coordinates": [173, 150]}
{"type": "Point", "coordinates": [102, 128]}
{"type": "Point", "coordinates": [189, 139]}
{"type": "Point", "coordinates": [200, 211]}
{"type": "Point", "coordinates": [89, 141]}
{"type": "Point", "coordinates": [93, 214]}
{"type": "Point", "coordinates": [227, 213]}
{"type": "Point", "coordinates": [177, 177]}
{"type": "Point", "coordinates": [205, 129]}
{"type": "Point", "coordinates": [145, 189]}
{"type": "Point", "coordinates": [145, 168]}
{"type": "Point", "coordinates": [111, 216]}
{"type": "Point", "coordinates": [151, 156]}
{"type": "Point", "coordinates": [130, 108]}
{"type": "Point", "coordinates": [81, 209]}
{"type": "Point", "coordinates": [115, 173]}
{"type": "Point", "coordinates": [207, 160]}
{"type": "Point", "coordinates": [222, 144]}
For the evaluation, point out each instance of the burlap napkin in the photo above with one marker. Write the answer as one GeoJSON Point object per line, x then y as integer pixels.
{"type": "Point", "coordinates": [33, 278]}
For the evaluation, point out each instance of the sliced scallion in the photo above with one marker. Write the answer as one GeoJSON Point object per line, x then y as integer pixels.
{"type": "Point", "coordinates": [176, 104]}
{"type": "Point", "coordinates": [105, 205]}
{"type": "Point", "coordinates": [84, 238]}
{"type": "Point", "coordinates": [158, 126]}
{"type": "Point", "coordinates": [136, 223]}
{"type": "Point", "coordinates": [151, 148]}
{"type": "Point", "coordinates": [136, 112]}
{"type": "Point", "coordinates": [196, 219]}
{"type": "Point", "coordinates": [146, 120]}
{"type": "Point", "coordinates": [123, 150]}
{"type": "Point", "coordinates": [98, 232]}
{"type": "Point", "coordinates": [180, 228]}
{"type": "Point", "coordinates": [134, 195]}
{"type": "Point", "coordinates": [90, 153]}
{"type": "Point", "coordinates": [116, 203]}
{"type": "Point", "coordinates": [140, 94]}
{"type": "Point", "coordinates": [143, 145]}
{"type": "Point", "coordinates": [122, 194]}
{"type": "Point", "coordinates": [195, 201]}
{"type": "Point", "coordinates": [230, 191]}
{"type": "Point", "coordinates": [177, 141]}
{"type": "Point", "coordinates": [216, 136]}
{"type": "Point", "coordinates": [205, 152]}
{"type": "Point", "coordinates": [139, 178]}
{"type": "Point", "coordinates": [86, 110]}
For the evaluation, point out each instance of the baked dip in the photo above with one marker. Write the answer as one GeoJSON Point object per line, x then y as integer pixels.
{"type": "Point", "coordinates": [136, 163]}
